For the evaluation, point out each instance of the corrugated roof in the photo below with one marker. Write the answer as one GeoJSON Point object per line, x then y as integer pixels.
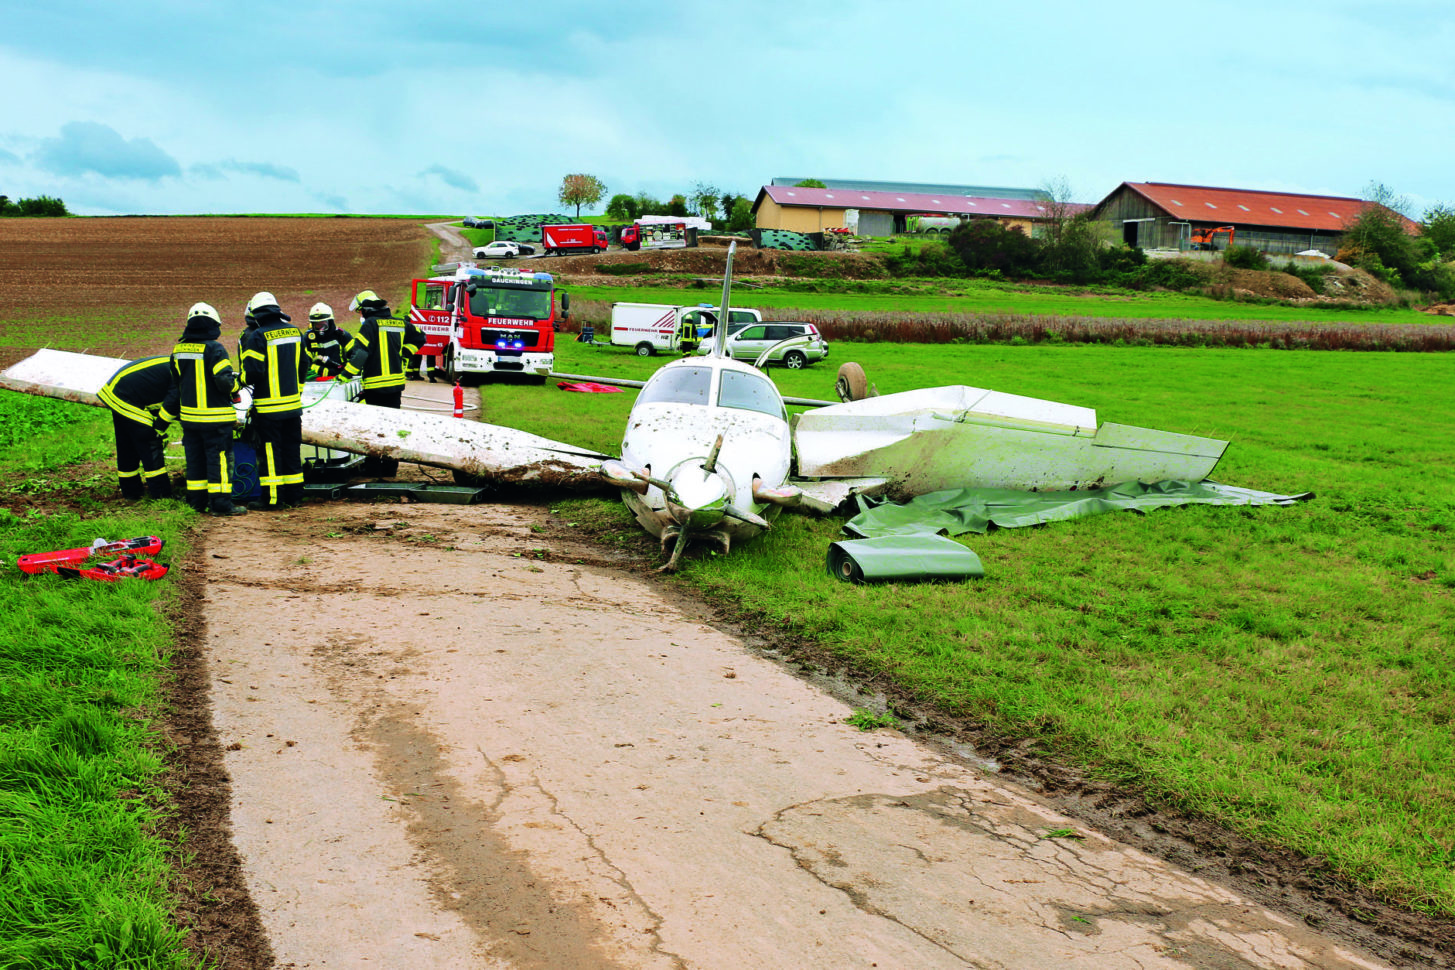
{"type": "Point", "coordinates": [908, 202]}
{"type": "Point", "coordinates": [922, 188]}
{"type": "Point", "coordinates": [1254, 207]}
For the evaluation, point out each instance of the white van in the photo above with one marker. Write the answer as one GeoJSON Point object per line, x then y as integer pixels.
{"type": "Point", "coordinates": [653, 327]}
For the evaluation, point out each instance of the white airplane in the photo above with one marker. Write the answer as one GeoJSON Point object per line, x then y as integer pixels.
{"type": "Point", "coordinates": [709, 451]}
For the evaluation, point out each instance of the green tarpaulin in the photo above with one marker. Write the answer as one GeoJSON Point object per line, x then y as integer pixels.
{"type": "Point", "coordinates": [890, 558]}
{"type": "Point", "coordinates": [960, 510]}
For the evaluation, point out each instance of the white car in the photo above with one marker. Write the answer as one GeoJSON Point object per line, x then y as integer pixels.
{"type": "Point", "coordinates": [503, 249]}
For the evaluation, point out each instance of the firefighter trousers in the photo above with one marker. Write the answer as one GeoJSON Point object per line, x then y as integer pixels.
{"type": "Point", "coordinates": [384, 397]}
{"type": "Point", "coordinates": [140, 460]}
{"type": "Point", "coordinates": [208, 448]}
{"type": "Point", "coordinates": [280, 467]}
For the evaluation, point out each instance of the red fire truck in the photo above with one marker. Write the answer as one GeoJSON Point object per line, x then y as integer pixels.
{"type": "Point", "coordinates": [488, 321]}
{"type": "Point", "coordinates": [564, 240]}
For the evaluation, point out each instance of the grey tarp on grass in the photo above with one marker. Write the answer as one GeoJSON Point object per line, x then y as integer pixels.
{"type": "Point", "coordinates": [913, 557]}
{"type": "Point", "coordinates": [960, 510]}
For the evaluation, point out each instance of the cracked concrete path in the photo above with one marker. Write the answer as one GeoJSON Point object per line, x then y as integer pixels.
{"type": "Point", "coordinates": [455, 743]}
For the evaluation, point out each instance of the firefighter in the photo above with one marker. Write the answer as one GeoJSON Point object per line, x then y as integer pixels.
{"type": "Point", "coordinates": [272, 358]}
{"type": "Point", "coordinates": [135, 394]}
{"type": "Point", "coordinates": [204, 387]}
{"type": "Point", "coordinates": [380, 351]}
{"type": "Point", "coordinates": [324, 343]}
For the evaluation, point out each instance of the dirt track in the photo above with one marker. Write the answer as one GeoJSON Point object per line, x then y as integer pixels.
{"type": "Point", "coordinates": [453, 743]}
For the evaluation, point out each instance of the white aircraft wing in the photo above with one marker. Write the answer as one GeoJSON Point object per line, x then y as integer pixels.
{"type": "Point", "coordinates": [485, 450]}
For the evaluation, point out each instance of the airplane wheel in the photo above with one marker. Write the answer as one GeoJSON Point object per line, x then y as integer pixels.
{"type": "Point", "coordinates": [852, 384]}
{"type": "Point", "coordinates": [644, 349]}
{"type": "Point", "coordinates": [794, 360]}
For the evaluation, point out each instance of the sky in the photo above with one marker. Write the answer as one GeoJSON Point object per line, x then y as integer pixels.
{"type": "Point", "coordinates": [168, 107]}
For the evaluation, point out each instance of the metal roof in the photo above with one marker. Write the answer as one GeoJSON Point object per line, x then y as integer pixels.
{"type": "Point", "coordinates": [974, 191]}
{"type": "Point", "coordinates": [907, 202]}
{"type": "Point", "coordinates": [1285, 210]}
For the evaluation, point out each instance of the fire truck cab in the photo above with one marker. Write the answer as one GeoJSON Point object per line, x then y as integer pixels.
{"type": "Point", "coordinates": [487, 321]}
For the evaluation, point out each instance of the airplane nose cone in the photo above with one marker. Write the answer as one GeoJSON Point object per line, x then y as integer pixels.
{"type": "Point", "coordinates": [698, 497]}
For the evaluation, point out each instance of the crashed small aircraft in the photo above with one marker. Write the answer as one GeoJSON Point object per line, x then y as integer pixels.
{"type": "Point", "coordinates": [709, 451]}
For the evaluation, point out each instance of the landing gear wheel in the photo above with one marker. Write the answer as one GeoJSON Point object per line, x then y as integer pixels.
{"type": "Point", "coordinates": [852, 384]}
{"type": "Point", "coordinates": [644, 349]}
{"type": "Point", "coordinates": [794, 360]}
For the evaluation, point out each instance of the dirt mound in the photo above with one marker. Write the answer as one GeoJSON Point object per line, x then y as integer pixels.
{"type": "Point", "coordinates": [708, 260]}
{"type": "Point", "coordinates": [1440, 309]}
{"type": "Point", "coordinates": [1341, 286]}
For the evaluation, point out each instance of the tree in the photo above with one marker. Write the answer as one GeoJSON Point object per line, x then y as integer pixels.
{"type": "Point", "coordinates": [677, 205]}
{"type": "Point", "coordinates": [1069, 241]}
{"type": "Point", "coordinates": [1377, 240]}
{"type": "Point", "coordinates": [623, 207]}
{"type": "Point", "coordinates": [809, 184]}
{"type": "Point", "coordinates": [741, 218]}
{"type": "Point", "coordinates": [649, 206]}
{"type": "Point", "coordinates": [1438, 226]}
{"type": "Point", "coordinates": [704, 199]}
{"type": "Point", "coordinates": [726, 202]}
{"type": "Point", "coordinates": [581, 189]}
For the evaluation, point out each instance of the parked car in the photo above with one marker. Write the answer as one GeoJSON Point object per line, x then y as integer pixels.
{"type": "Point", "coordinates": [502, 249]}
{"type": "Point", "coordinates": [749, 343]}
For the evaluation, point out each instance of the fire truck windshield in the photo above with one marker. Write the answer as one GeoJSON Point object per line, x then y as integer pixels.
{"type": "Point", "coordinates": [514, 302]}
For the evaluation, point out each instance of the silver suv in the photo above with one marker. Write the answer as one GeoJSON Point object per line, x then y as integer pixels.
{"type": "Point", "coordinates": [749, 342]}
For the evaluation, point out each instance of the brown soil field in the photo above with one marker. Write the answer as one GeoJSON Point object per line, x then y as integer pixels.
{"type": "Point", "coordinates": [122, 286]}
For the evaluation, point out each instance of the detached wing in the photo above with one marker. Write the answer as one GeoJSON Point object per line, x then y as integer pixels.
{"type": "Point", "coordinates": [488, 451]}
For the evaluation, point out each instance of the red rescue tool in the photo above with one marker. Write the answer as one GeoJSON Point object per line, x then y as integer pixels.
{"type": "Point", "coordinates": [124, 567]}
{"type": "Point", "coordinates": [47, 562]}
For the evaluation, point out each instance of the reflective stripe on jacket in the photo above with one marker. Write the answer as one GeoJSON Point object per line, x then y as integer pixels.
{"type": "Point", "coordinates": [381, 349]}
{"type": "Point", "coordinates": [138, 390]}
{"type": "Point", "coordinates": [204, 383]}
{"type": "Point", "coordinates": [271, 358]}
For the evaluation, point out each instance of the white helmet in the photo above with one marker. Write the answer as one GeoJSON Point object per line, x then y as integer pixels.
{"type": "Point", "coordinates": [320, 312]}
{"type": "Point", "coordinates": [261, 300]}
{"type": "Point", "coordinates": [204, 310]}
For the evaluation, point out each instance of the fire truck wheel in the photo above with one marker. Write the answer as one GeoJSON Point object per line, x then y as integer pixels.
{"type": "Point", "coordinates": [644, 349]}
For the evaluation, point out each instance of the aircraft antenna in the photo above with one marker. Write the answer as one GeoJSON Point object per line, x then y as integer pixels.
{"type": "Point", "coordinates": [719, 337]}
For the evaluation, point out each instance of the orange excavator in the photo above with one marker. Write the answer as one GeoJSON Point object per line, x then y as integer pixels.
{"type": "Point", "coordinates": [1203, 238]}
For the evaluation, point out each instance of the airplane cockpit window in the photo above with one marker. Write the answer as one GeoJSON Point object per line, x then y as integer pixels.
{"type": "Point", "coordinates": [750, 392]}
{"type": "Point", "coordinates": [677, 385]}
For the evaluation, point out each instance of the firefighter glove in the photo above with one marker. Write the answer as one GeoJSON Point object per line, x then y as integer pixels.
{"type": "Point", "coordinates": [160, 426]}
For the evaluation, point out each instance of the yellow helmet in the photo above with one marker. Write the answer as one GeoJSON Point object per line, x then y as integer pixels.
{"type": "Point", "coordinates": [364, 299]}
{"type": "Point", "coordinates": [204, 310]}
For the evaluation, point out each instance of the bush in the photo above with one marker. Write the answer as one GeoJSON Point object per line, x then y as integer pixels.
{"type": "Point", "coordinates": [1245, 257]}
{"type": "Point", "coordinates": [41, 205]}
{"type": "Point", "coordinates": [932, 259]}
{"type": "Point", "coordinates": [984, 244]}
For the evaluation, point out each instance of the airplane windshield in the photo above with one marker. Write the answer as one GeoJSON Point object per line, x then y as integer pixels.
{"type": "Point", "coordinates": [677, 385]}
{"type": "Point", "coordinates": [492, 301]}
{"type": "Point", "coordinates": [750, 392]}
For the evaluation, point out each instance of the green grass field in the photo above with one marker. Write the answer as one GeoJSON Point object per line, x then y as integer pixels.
{"type": "Point", "coordinates": [979, 296]}
{"type": "Point", "coordinates": [1284, 671]}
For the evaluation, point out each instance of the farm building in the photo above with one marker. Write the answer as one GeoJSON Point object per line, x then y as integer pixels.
{"type": "Point", "coordinates": [1160, 215]}
{"type": "Point", "coordinates": [881, 212]}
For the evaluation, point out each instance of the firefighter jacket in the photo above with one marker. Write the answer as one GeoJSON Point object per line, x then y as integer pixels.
{"type": "Point", "coordinates": [324, 350]}
{"type": "Point", "coordinates": [272, 358]}
{"type": "Point", "coordinates": [203, 381]}
{"type": "Point", "coordinates": [136, 391]}
{"type": "Point", "coordinates": [381, 349]}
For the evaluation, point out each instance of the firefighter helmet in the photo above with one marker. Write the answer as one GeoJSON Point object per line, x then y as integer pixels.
{"type": "Point", "coordinates": [366, 300]}
{"type": "Point", "coordinates": [261, 300]}
{"type": "Point", "coordinates": [204, 310]}
{"type": "Point", "coordinates": [320, 312]}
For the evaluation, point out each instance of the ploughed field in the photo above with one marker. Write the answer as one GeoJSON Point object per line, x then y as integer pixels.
{"type": "Point", "coordinates": [122, 286]}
